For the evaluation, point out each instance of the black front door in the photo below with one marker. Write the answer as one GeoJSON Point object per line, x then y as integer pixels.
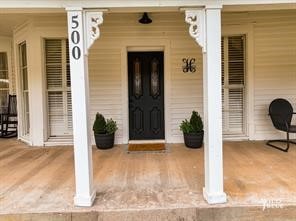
{"type": "Point", "coordinates": [146, 95]}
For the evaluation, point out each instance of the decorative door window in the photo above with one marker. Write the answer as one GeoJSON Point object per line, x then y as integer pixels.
{"type": "Point", "coordinates": [154, 78]}
{"type": "Point", "coordinates": [24, 89]}
{"type": "Point", "coordinates": [137, 81]}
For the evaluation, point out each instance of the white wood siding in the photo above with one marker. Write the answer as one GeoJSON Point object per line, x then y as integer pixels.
{"type": "Point", "coordinates": [274, 69]}
{"type": "Point", "coordinates": [274, 37]}
{"type": "Point", "coordinates": [105, 66]}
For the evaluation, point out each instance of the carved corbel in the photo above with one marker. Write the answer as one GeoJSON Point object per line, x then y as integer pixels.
{"type": "Point", "coordinates": [196, 20]}
{"type": "Point", "coordinates": [92, 21]}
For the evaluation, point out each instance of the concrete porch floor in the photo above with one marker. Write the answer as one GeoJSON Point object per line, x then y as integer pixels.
{"type": "Point", "coordinates": [41, 180]}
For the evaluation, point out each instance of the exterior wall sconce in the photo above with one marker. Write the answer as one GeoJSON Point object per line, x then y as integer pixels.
{"type": "Point", "coordinates": [145, 19]}
{"type": "Point", "coordinates": [189, 65]}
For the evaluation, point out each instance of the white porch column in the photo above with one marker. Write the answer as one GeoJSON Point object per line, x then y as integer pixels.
{"type": "Point", "coordinates": [206, 29]}
{"type": "Point", "coordinates": [213, 190]}
{"type": "Point", "coordinates": [80, 39]}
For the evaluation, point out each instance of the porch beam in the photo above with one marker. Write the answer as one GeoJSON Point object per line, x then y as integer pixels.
{"type": "Point", "coordinates": [79, 43]}
{"type": "Point", "coordinates": [205, 28]}
{"type": "Point", "coordinates": [133, 3]}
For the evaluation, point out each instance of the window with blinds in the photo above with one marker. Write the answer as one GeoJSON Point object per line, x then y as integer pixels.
{"type": "Point", "coordinates": [58, 87]}
{"type": "Point", "coordinates": [4, 82]}
{"type": "Point", "coordinates": [24, 89]}
{"type": "Point", "coordinates": [233, 84]}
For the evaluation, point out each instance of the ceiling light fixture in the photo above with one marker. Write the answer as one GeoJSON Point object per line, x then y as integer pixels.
{"type": "Point", "coordinates": [145, 19]}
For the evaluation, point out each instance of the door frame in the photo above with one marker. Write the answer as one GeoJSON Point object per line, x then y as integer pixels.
{"type": "Point", "coordinates": [144, 46]}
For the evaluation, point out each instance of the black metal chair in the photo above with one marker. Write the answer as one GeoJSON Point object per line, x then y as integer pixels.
{"type": "Point", "coordinates": [281, 113]}
{"type": "Point", "coordinates": [8, 120]}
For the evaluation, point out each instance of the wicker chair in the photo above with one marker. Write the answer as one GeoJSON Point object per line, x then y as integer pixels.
{"type": "Point", "coordinates": [8, 120]}
{"type": "Point", "coordinates": [281, 113]}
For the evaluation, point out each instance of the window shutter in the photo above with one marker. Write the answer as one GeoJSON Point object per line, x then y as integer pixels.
{"type": "Point", "coordinates": [53, 57]}
{"type": "Point", "coordinates": [68, 65]}
{"type": "Point", "coordinates": [69, 110]}
{"type": "Point", "coordinates": [233, 80]}
{"type": "Point", "coordinates": [55, 112]}
{"type": "Point", "coordinates": [236, 60]}
{"type": "Point", "coordinates": [223, 61]}
{"type": "Point", "coordinates": [236, 113]}
{"type": "Point", "coordinates": [58, 87]}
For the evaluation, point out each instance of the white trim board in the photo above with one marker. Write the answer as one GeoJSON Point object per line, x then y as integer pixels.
{"type": "Point", "coordinates": [146, 141]}
{"type": "Point", "coordinates": [246, 30]}
{"type": "Point", "coordinates": [58, 4]}
{"type": "Point", "coordinates": [127, 46]}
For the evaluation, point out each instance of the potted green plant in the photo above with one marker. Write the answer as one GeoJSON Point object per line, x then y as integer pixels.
{"type": "Point", "coordinates": [104, 131]}
{"type": "Point", "coordinates": [193, 131]}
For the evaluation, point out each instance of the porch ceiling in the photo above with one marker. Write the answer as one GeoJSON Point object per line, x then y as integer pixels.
{"type": "Point", "coordinates": [9, 21]}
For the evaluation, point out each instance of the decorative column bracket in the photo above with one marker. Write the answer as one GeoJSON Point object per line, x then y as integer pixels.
{"type": "Point", "coordinates": [92, 21]}
{"type": "Point", "coordinates": [196, 19]}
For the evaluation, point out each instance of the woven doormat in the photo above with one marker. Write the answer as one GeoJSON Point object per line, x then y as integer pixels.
{"type": "Point", "coordinates": [154, 147]}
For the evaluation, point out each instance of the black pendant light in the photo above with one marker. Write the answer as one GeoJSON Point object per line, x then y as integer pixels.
{"type": "Point", "coordinates": [145, 19]}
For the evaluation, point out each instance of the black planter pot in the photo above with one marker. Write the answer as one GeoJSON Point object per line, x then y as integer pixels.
{"type": "Point", "coordinates": [104, 141]}
{"type": "Point", "coordinates": [194, 140]}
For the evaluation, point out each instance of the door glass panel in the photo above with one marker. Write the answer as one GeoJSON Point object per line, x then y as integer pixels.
{"type": "Point", "coordinates": [23, 54]}
{"type": "Point", "coordinates": [24, 89]}
{"type": "Point", "coordinates": [3, 61]}
{"type": "Point", "coordinates": [26, 113]}
{"type": "Point", "coordinates": [4, 82]}
{"type": "Point", "coordinates": [154, 78]}
{"type": "Point", "coordinates": [25, 79]}
{"type": "Point", "coordinates": [137, 78]}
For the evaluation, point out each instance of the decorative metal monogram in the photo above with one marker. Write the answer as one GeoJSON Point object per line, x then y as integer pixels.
{"type": "Point", "coordinates": [189, 65]}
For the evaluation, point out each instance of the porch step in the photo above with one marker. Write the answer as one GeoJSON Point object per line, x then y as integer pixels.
{"type": "Point", "coordinates": [59, 141]}
{"type": "Point", "coordinates": [211, 213]}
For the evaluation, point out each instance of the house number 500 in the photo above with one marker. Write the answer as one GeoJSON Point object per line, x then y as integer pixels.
{"type": "Point", "coordinates": [75, 38]}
